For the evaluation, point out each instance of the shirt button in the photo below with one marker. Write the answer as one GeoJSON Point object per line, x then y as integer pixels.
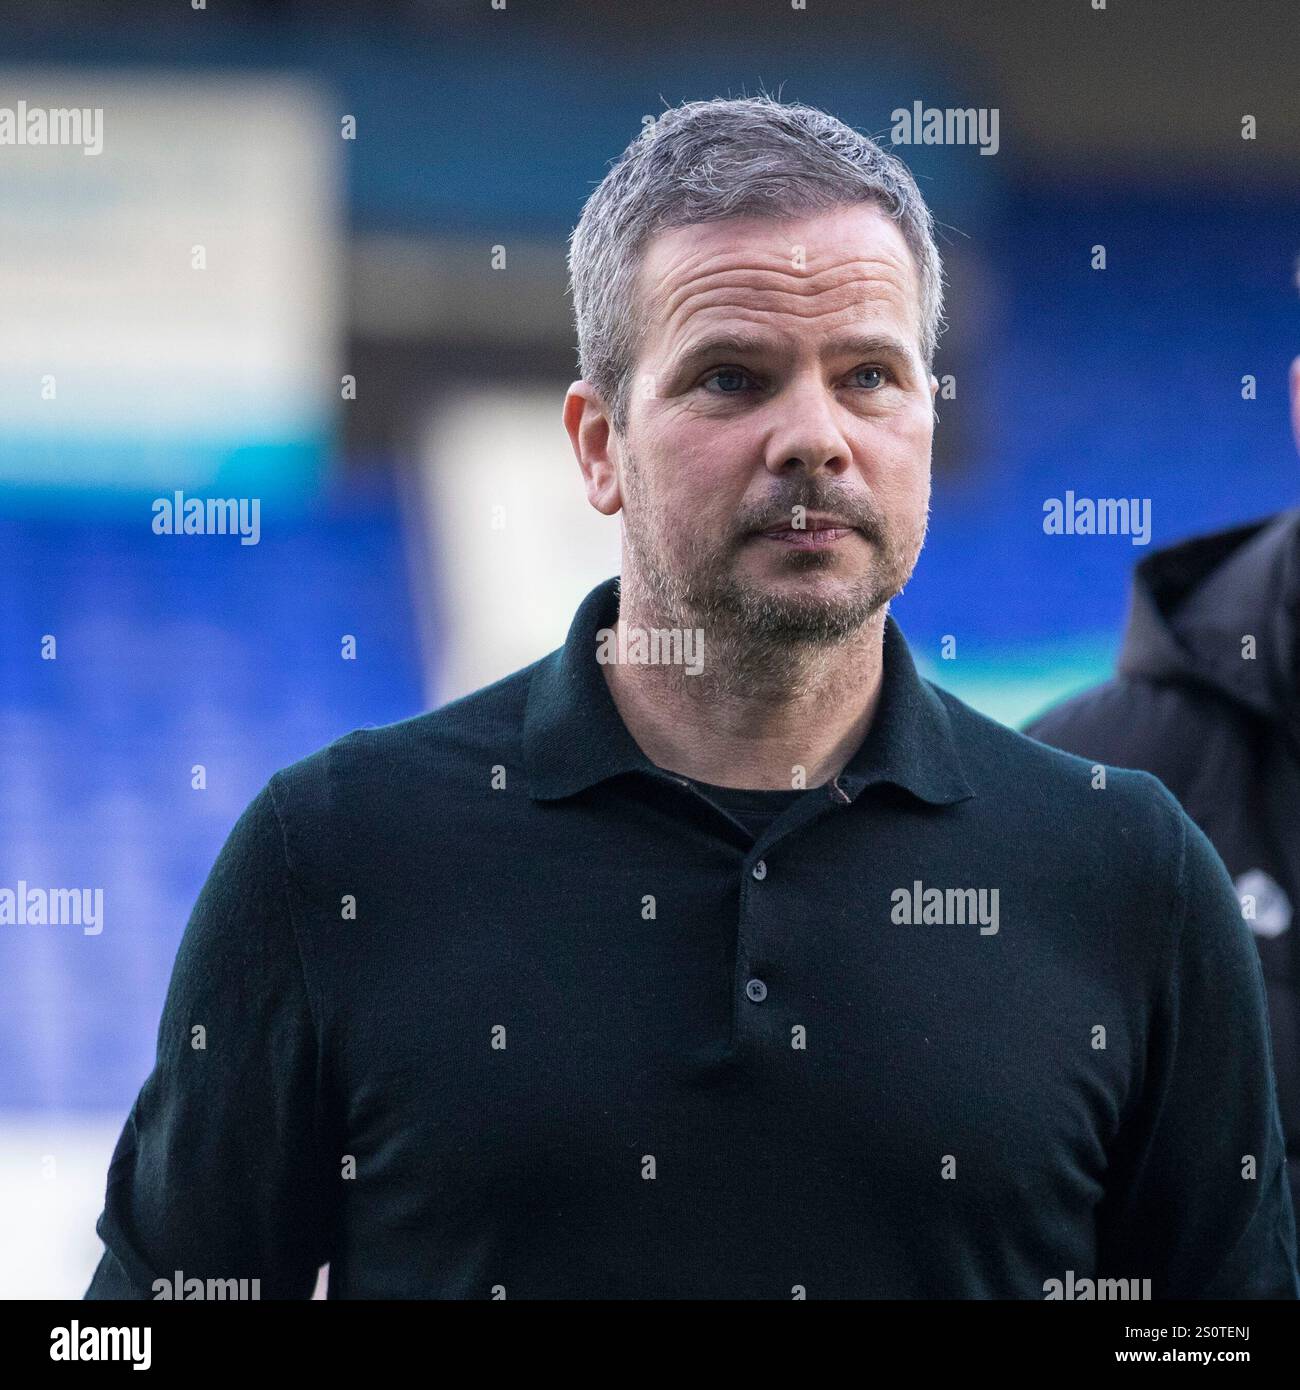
{"type": "Point", "coordinates": [760, 870]}
{"type": "Point", "coordinates": [756, 990]}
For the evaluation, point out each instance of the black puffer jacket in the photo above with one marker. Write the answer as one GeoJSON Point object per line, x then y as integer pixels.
{"type": "Point", "coordinates": [1221, 729]}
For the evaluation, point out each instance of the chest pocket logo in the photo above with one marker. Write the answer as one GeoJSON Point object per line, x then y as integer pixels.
{"type": "Point", "coordinates": [1264, 904]}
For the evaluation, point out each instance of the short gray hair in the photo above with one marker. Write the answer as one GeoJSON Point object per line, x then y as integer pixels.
{"type": "Point", "coordinates": [707, 160]}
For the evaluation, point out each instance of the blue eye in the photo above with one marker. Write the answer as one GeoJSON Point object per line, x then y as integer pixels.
{"type": "Point", "coordinates": [739, 376]}
{"type": "Point", "coordinates": [723, 373]}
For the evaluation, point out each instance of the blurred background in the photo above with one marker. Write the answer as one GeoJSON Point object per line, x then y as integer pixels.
{"type": "Point", "coordinates": [319, 261]}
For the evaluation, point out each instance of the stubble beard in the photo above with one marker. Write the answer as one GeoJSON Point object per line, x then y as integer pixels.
{"type": "Point", "coordinates": [758, 638]}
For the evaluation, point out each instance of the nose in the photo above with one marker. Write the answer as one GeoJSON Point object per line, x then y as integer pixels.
{"type": "Point", "coordinates": [807, 435]}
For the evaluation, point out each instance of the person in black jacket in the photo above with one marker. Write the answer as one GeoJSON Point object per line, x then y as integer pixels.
{"type": "Point", "coordinates": [1207, 697]}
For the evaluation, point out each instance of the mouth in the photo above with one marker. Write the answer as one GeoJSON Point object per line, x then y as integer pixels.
{"type": "Point", "coordinates": [817, 533]}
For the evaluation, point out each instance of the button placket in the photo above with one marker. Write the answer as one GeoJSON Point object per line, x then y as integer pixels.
{"type": "Point", "coordinates": [750, 989]}
{"type": "Point", "coordinates": [754, 944]}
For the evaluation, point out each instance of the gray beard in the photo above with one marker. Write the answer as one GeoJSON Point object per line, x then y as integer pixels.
{"type": "Point", "coordinates": [756, 643]}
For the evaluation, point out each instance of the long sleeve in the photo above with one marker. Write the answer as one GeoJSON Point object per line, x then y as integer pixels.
{"type": "Point", "coordinates": [1199, 1201]}
{"type": "Point", "coordinates": [220, 1171]}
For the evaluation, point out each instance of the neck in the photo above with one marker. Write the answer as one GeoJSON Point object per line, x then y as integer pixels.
{"type": "Point", "coordinates": [757, 712]}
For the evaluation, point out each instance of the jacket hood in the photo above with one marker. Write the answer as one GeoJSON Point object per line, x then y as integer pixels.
{"type": "Point", "coordinates": [1192, 603]}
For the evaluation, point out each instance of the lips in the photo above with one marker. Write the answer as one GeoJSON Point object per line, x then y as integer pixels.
{"type": "Point", "coordinates": [811, 524]}
{"type": "Point", "coordinates": [823, 533]}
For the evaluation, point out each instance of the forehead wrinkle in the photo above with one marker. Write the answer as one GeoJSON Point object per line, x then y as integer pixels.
{"type": "Point", "coordinates": [808, 282]}
{"type": "Point", "coordinates": [805, 302]}
{"type": "Point", "coordinates": [754, 285]}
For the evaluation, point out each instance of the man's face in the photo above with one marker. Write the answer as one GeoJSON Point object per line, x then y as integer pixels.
{"type": "Point", "coordinates": [820, 400]}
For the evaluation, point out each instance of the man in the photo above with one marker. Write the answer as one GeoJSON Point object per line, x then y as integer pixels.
{"type": "Point", "coordinates": [774, 974]}
{"type": "Point", "coordinates": [1208, 699]}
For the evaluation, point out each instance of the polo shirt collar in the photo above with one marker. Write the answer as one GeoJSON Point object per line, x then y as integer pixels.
{"type": "Point", "coordinates": [574, 736]}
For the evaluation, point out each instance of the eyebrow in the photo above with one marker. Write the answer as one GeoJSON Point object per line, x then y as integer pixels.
{"type": "Point", "coordinates": [721, 345]}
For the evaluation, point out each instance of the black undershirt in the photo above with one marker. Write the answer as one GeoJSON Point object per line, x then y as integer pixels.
{"type": "Point", "coordinates": [755, 810]}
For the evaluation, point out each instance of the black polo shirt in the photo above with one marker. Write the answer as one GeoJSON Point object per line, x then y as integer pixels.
{"type": "Point", "coordinates": [490, 1006]}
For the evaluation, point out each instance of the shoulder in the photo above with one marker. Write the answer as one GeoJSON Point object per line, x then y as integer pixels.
{"type": "Point", "coordinates": [1134, 722]}
{"type": "Point", "coordinates": [1119, 713]}
{"type": "Point", "coordinates": [425, 758]}
{"type": "Point", "coordinates": [1073, 807]}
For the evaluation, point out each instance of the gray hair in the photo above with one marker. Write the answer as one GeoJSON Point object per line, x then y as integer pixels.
{"type": "Point", "coordinates": [707, 160]}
